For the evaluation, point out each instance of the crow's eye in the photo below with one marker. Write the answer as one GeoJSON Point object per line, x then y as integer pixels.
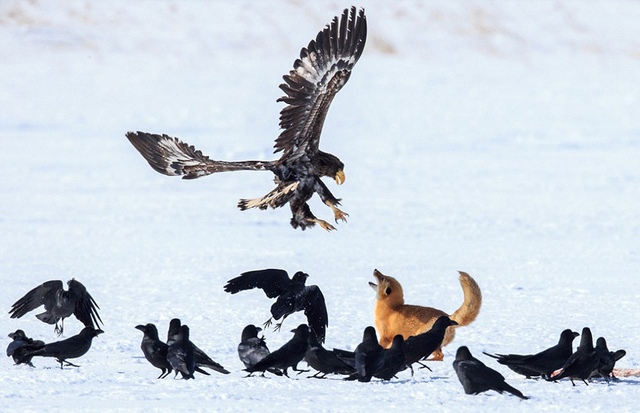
{"type": "Point", "coordinates": [387, 291]}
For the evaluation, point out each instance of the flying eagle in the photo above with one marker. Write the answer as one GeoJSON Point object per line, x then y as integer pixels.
{"type": "Point", "coordinates": [321, 71]}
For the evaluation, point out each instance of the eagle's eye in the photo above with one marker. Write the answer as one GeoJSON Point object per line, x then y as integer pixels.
{"type": "Point", "coordinates": [387, 291]}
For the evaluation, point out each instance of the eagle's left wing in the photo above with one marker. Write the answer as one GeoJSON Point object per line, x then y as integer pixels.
{"type": "Point", "coordinates": [322, 70]}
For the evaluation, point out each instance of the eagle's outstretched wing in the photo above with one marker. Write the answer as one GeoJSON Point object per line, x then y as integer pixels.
{"type": "Point", "coordinates": [323, 68]}
{"type": "Point", "coordinates": [170, 156]}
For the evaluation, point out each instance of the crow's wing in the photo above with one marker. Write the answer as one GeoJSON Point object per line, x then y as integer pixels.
{"type": "Point", "coordinates": [43, 294]}
{"type": "Point", "coordinates": [86, 309]}
{"type": "Point", "coordinates": [321, 71]}
{"type": "Point", "coordinates": [273, 282]}
{"type": "Point", "coordinates": [315, 309]}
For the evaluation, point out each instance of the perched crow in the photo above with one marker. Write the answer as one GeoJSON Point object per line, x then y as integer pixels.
{"type": "Point", "coordinates": [323, 360]}
{"type": "Point", "coordinates": [477, 378]}
{"type": "Point", "coordinates": [394, 359]}
{"type": "Point", "coordinates": [180, 354]}
{"type": "Point", "coordinates": [202, 359]}
{"type": "Point", "coordinates": [155, 351]}
{"type": "Point", "coordinates": [59, 304]}
{"type": "Point", "coordinates": [421, 346]}
{"type": "Point", "coordinates": [20, 345]}
{"type": "Point", "coordinates": [293, 295]}
{"type": "Point", "coordinates": [71, 348]}
{"type": "Point", "coordinates": [607, 360]}
{"type": "Point", "coordinates": [289, 355]}
{"type": "Point", "coordinates": [369, 355]}
{"type": "Point", "coordinates": [252, 348]}
{"type": "Point", "coordinates": [581, 363]}
{"type": "Point", "coordinates": [543, 363]}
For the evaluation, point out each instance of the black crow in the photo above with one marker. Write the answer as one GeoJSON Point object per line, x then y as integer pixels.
{"type": "Point", "coordinates": [20, 345]}
{"type": "Point", "coordinates": [70, 348]}
{"type": "Point", "coordinates": [293, 295]}
{"type": "Point", "coordinates": [543, 363]}
{"type": "Point", "coordinates": [477, 378]}
{"type": "Point", "coordinates": [180, 354]}
{"type": "Point", "coordinates": [394, 359]}
{"type": "Point", "coordinates": [289, 355]}
{"type": "Point", "coordinates": [59, 304]}
{"type": "Point", "coordinates": [369, 355]}
{"type": "Point", "coordinates": [421, 346]}
{"type": "Point", "coordinates": [252, 348]}
{"type": "Point", "coordinates": [202, 359]}
{"type": "Point", "coordinates": [581, 363]}
{"type": "Point", "coordinates": [155, 351]}
{"type": "Point", "coordinates": [607, 360]}
{"type": "Point", "coordinates": [323, 360]}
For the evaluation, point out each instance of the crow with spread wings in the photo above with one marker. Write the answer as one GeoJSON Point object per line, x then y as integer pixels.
{"type": "Point", "coordinates": [59, 304]}
{"type": "Point", "coordinates": [321, 71]}
{"type": "Point", "coordinates": [292, 296]}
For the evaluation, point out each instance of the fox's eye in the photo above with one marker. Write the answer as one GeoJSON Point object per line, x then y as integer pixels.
{"type": "Point", "coordinates": [387, 291]}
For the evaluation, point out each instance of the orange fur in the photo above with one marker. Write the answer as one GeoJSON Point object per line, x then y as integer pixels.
{"type": "Point", "coordinates": [393, 316]}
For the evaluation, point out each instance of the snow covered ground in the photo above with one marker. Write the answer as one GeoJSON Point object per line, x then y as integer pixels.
{"type": "Point", "coordinates": [498, 138]}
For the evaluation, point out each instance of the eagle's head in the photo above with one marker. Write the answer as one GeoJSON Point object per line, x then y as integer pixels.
{"type": "Point", "coordinates": [329, 165]}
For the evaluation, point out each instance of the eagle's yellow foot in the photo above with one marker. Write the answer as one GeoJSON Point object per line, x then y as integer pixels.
{"type": "Point", "coordinates": [339, 215]}
{"type": "Point", "coordinates": [323, 224]}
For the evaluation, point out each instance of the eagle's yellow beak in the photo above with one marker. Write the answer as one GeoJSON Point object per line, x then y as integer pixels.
{"type": "Point", "coordinates": [340, 178]}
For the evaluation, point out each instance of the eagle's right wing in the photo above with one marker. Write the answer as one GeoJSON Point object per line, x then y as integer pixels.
{"type": "Point", "coordinates": [172, 157]}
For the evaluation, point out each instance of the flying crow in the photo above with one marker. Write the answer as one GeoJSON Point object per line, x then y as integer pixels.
{"type": "Point", "coordinates": [59, 304]}
{"type": "Point", "coordinates": [292, 295]}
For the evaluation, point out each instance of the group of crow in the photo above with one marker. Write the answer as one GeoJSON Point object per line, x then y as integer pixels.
{"type": "Point", "coordinates": [369, 359]}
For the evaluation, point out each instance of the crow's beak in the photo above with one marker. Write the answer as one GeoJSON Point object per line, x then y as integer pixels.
{"type": "Point", "coordinates": [99, 331]}
{"type": "Point", "coordinates": [340, 177]}
{"type": "Point", "coordinates": [140, 327]}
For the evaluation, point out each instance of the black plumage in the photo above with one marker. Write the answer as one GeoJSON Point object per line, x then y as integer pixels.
{"type": "Point", "coordinates": [59, 304]}
{"type": "Point", "coordinates": [393, 359]}
{"type": "Point", "coordinates": [292, 295]}
{"type": "Point", "coordinates": [289, 355]}
{"type": "Point", "coordinates": [582, 362]}
{"type": "Point", "coordinates": [201, 358]}
{"type": "Point", "coordinates": [369, 355]}
{"type": "Point", "coordinates": [180, 354]}
{"type": "Point", "coordinates": [421, 346]}
{"type": "Point", "coordinates": [543, 363]}
{"type": "Point", "coordinates": [70, 348]}
{"type": "Point", "coordinates": [252, 348]}
{"type": "Point", "coordinates": [476, 377]}
{"type": "Point", "coordinates": [324, 361]}
{"type": "Point", "coordinates": [20, 346]}
{"type": "Point", "coordinates": [606, 360]}
{"type": "Point", "coordinates": [323, 68]}
{"type": "Point", "coordinates": [154, 350]}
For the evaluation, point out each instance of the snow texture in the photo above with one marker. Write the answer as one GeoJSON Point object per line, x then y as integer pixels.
{"type": "Point", "coordinates": [500, 138]}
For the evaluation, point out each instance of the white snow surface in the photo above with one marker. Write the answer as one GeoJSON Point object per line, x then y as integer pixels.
{"type": "Point", "coordinates": [500, 138]}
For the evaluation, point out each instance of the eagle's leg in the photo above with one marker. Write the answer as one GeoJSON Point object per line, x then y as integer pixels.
{"type": "Point", "coordinates": [274, 199]}
{"type": "Point", "coordinates": [330, 200]}
{"type": "Point", "coordinates": [303, 217]}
